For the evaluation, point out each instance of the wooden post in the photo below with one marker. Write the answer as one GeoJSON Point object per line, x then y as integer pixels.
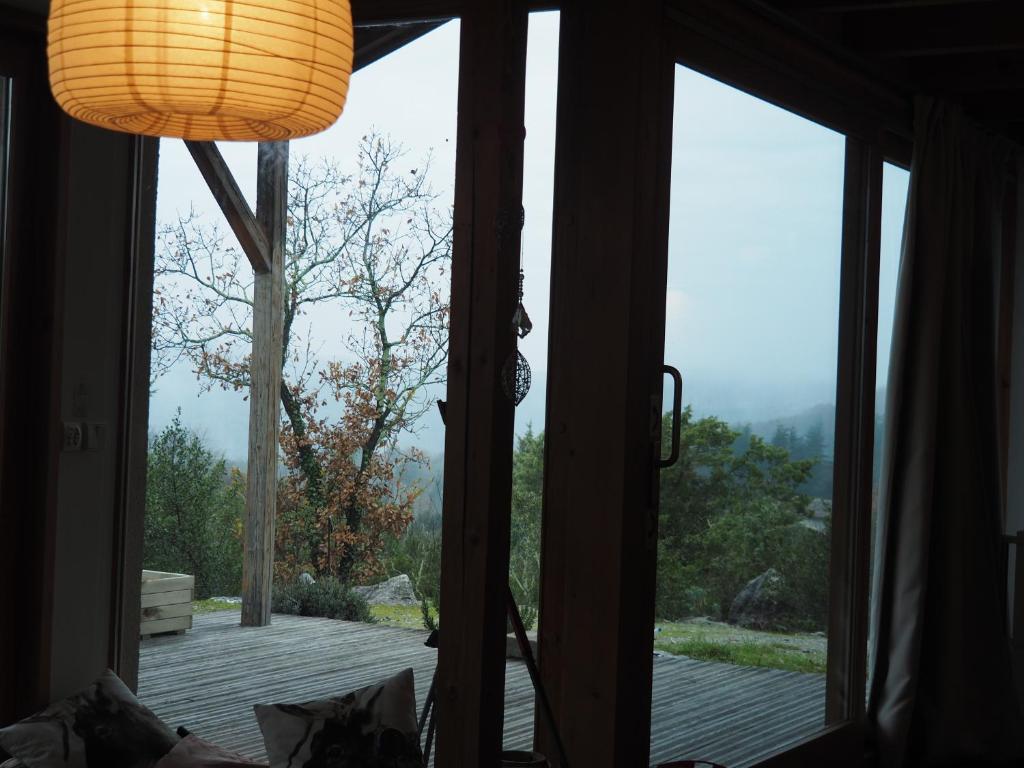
{"type": "Point", "coordinates": [606, 349]}
{"type": "Point", "coordinates": [854, 433]}
{"type": "Point", "coordinates": [265, 389]}
{"type": "Point", "coordinates": [478, 447]}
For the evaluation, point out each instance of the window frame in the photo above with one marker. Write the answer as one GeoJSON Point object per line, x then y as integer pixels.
{"type": "Point", "coordinates": [730, 43]}
{"type": "Point", "coordinates": [744, 49]}
{"type": "Point", "coordinates": [29, 374]}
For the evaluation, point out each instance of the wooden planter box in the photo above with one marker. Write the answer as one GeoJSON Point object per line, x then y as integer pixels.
{"type": "Point", "coordinates": [166, 602]}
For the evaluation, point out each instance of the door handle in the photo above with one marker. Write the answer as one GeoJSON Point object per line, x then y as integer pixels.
{"type": "Point", "coordinates": [677, 409]}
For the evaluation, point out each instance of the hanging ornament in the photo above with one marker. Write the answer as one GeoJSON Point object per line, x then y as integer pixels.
{"type": "Point", "coordinates": [516, 376]}
{"type": "Point", "coordinates": [521, 323]}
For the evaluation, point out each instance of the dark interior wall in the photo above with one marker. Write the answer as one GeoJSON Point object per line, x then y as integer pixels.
{"type": "Point", "coordinates": [65, 316]}
{"type": "Point", "coordinates": [96, 275]}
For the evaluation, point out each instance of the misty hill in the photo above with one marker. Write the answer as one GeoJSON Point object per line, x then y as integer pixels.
{"type": "Point", "coordinates": [821, 416]}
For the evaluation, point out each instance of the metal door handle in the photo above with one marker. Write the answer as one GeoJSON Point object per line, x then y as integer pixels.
{"type": "Point", "coordinates": [677, 408]}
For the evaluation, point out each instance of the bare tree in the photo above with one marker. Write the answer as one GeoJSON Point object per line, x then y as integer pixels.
{"type": "Point", "coordinates": [376, 245]}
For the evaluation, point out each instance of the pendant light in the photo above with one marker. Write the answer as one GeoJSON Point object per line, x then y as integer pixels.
{"type": "Point", "coordinates": [246, 70]}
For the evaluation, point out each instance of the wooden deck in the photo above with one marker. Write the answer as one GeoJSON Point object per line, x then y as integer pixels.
{"type": "Point", "coordinates": [208, 680]}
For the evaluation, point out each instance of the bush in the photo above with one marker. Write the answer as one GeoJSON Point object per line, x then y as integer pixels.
{"type": "Point", "coordinates": [194, 507]}
{"type": "Point", "coordinates": [743, 544]}
{"type": "Point", "coordinates": [327, 598]}
{"type": "Point", "coordinates": [417, 554]}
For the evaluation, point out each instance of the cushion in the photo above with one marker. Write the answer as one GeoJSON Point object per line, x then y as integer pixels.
{"type": "Point", "coordinates": [193, 752]}
{"type": "Point", "coordinates": [102, 726]}
{"type": "Point", "coordinates": [374, 727]}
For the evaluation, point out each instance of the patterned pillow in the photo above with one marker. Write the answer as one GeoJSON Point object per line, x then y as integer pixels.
{"type": "Point", "coordinates": [102, 726]}
{"type": "Point", "coordinates": [374, 727]}
{"type": "Point", "coordinates": [193, 752]}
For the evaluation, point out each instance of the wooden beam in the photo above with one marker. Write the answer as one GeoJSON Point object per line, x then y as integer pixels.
{"type": "Point", "coordinates": [480, 417]}
{"type": "Point", "coordinates": [32, 286]}
{"type": "Point", "coordinates": [373, 12]}
{"type": "Point", "coordinates": [374, 43]}
{"type": "Point", "coordinates": [997, 107]}
{"type": "Point", "coordinates": [837, 746]}
{"type": "Point", "coordinates": [854, 434]}
{"type": "Point", "coordinates": [1007, 310]}
{"type": "Point", "coordinates": [606, 349]}
{"type": "Point", "coordinates": [133, 428]}
{"type": "Point", "coordinates": [740, 45]}
{"type": "Point", "coordinates": [967, 73]}
{"type": "Point", "coordinates": [862, 6]}
{"type": "Point", "coordinates": [232, 202]}
{"type": "Point", "coordinates": [938, 30]}
{"type": "Point", "coordinates": [265, 388]}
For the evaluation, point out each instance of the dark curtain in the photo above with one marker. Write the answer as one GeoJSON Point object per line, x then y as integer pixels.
{"type": "Point", "coordinates": [941, 690]}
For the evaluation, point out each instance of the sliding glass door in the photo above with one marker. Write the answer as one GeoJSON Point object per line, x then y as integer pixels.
{"type": "Point", "coordinates": [752, 315]}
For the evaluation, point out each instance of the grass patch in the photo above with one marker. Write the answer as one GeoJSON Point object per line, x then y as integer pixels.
{"type": "Point", "coordinates": [210, 606]}
{"type": "Point", "coordinates": [404, 616]}
{"type": "Point", "coordinates": [731, 645]}
{"type": "Point", "coordinates": [746, 654]}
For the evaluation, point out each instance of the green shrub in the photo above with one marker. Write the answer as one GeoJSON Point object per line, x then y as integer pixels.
{"type": "Point", "coordinates": [417, 554]}
{"type": "Point", "coordinates": [327, 598]}
{"type": "Point", "coordinates": [194, 507]}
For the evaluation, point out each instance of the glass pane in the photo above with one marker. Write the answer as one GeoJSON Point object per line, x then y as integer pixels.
{"type": "Point", "coordinates": [528, 455]}
{"type": "Point", "coordinates": [752, 322]}
{"type": "Point", "coordinates": [5, 142]}
{"type": "Point", "coordinates": [362, 447]}
{"type": "Point", "coordinates": [895, 185]}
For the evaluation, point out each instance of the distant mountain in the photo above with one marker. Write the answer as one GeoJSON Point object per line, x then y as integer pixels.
{"type": "Point", "coordinates": [822, 415]}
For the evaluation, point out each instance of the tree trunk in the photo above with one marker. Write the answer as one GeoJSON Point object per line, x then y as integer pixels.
{"type": "Point", "coordinates": [354, 513]}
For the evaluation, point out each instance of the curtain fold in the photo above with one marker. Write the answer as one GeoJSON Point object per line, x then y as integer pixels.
{"type": "Point", "coordinates": [941, 690]}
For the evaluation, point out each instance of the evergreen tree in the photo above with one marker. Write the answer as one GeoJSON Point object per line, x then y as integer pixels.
{"type": "Point", "coordinates": [194, 508]}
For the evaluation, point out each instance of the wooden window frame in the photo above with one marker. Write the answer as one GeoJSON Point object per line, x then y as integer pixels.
{"type": "Point", "coordinates": [742, 48]}
{"type": "Point", "coordinates": [721, 38]}
{"type": "Point", "coordinates": [32, 275]}
{"type": "Point", "coordinates": [479, 442]}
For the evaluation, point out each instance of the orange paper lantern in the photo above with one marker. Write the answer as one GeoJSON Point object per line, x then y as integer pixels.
{"type": "Point", "coordinates": [246, 70]}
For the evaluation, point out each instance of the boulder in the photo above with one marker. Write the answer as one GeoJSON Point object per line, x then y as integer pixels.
{"type": "Point", "coordinates": [761, 604]}
{"type": "Point", "coordinates": [395, 591]}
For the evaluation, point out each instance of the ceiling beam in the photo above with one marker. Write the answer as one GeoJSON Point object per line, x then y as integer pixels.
{"type": "Point", "coordinates": [855, 6]}
{"type": "Point", "coordinates": [938, 30]}
{"type": "Point", "coordinates": [374, 43]}
{"type": "Point", "coordinates": [367, 13]}
{"type": "Point", "coordinates": [229, 197]}
{"type": "Point", "coordinates": [1003, 107]}
{"type": "Point", "coordinates": [968, 73]}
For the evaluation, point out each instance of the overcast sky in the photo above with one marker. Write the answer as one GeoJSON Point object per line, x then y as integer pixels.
{"type": "Point", "coordinates": [752, 301]}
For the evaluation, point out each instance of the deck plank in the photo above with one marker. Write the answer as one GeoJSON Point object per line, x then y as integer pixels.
{"type": "Point", "coordinates": [208, 680]}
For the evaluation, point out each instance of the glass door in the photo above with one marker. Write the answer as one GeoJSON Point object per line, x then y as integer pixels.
{"type": "Point", "coordinates": [5, 142]}
{"type": "Point", "coordinates": [6, 92]}
{"type": "Point", "coordinates": [752, 317]}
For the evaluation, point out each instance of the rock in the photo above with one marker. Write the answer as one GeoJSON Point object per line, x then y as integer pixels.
{"type": "Point", "coordinates": [761, 603]}
{"type": "Point", "coordinates": [306, 578]}
{"type": "Point", "coordinates": [512, 650]}
{"type": "Point", "coordinates": [395, 591]}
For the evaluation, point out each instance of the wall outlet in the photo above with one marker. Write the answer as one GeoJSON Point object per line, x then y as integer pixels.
{"type": "Point", "coordinates": [74, 436]}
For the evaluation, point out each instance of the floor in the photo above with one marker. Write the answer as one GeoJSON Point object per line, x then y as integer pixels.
{"type": "Point", "coordinates": [208, 679]}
